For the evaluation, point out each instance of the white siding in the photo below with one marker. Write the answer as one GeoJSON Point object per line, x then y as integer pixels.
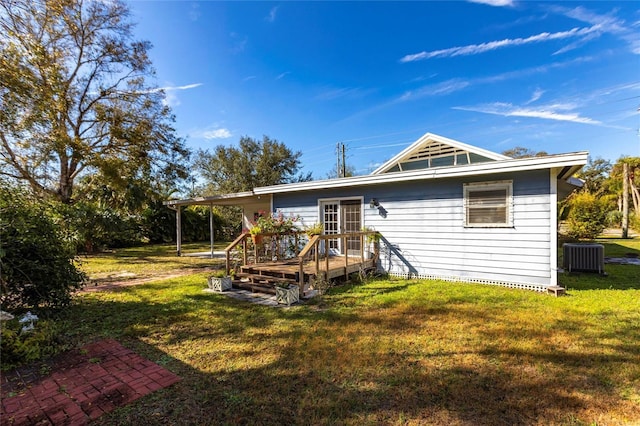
{"type": "Point", "coordinates": [424, 234]}
{"type": "Point", "coordinates": [308, 214]}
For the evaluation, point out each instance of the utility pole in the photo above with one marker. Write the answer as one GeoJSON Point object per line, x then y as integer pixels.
{"type": "Point", "coordinates": [341, 165]}
{"type": "Point", "coordinates": [338, 159]}
{"type": "Point", "coordinates": [344, 163]}
{"type": "Point", "coordinates": [625, 200]}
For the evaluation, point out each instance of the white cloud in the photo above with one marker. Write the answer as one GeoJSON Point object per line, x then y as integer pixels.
{"type": "Point", "coordinates": [185, 87]}
{"type": "Point", "coordinates": [238, 42]}
{"type": "Point", "coordinates": [283, 75]}
{"type": "Point", "coordinates": [217, 134]}
{"type": "Point", "coordinates": [194, 12]}
{"type": "Point", "coordinates": [475, 49]}
{"type": "Point", "coordinates": [558, 112]}
{"type": "Point", "coordinates": [329, 94]}
{"type": "Point", "coordinates": [609, 23]}
{"type": "Point", "coordinates": [531, 71]}
{"type": "Point", "coordinates": [170, 100]}
{"type": "Point", "coordinates": [170, 96]}
{"type": "Point", "coordinates": [537, 94]}
{"type": "Point", "coordinates": [498, 3]}
{"type": "Point", "coordinates": [443, 88]}
{"type": "Point", "coordinates": [271, 17]}
{"type": "Point", "coordinates": [251, 77]}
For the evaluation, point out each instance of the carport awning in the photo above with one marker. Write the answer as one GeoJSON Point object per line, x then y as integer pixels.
{"type": "Point", "coordinates": [237, 199]}
{"type": "Point", "coordinates": [217, 200]}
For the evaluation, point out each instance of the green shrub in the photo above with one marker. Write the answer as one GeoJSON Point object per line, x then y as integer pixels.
{"type": "Point", "coordinates": [614, 219]}
{"type": "Point", "coordinates": [587, 216]}
{"type": "Point", "coordinates": [91, 227]}
{"type": "Point", "coordinates": [37, 267]}
{"type": "Point", "coordinates": [634, 221]}
{"type": "Point", "coordinates": [19, 347]}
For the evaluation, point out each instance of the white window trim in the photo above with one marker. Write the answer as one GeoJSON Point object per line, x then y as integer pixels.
{"type": "Point", "coordinates": [489, 186]}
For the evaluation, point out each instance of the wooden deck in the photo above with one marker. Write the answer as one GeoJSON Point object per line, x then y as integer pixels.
{"type": "Point", "coordinates": [263, 276]}
{"type": "Point", "coordinates": [338, 266]}
{"type": "Point", "coordinates": [304, 267]}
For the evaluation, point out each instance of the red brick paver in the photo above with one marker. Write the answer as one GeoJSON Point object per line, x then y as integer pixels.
{"type": "Point", "coordinates": [101, 377]}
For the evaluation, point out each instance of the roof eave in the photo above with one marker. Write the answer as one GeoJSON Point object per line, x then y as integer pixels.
{"type": "Point", "coordinates": [571, 160]}
{"type": "Point", "coordinates": [437, 138]}
{"type": "Point", "coordinates": [215, 200]}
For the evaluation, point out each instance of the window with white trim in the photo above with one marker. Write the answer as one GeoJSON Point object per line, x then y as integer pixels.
{"type": "Point", "coordinates": [488, 204]}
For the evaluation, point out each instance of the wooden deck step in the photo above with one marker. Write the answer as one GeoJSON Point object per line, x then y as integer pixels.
{"type": "Point", "coordinates": [268, 272]}
{"type": "Point", "coordinates": [260, 288]}
{"type": "Point", "coordinates": [263, 279]}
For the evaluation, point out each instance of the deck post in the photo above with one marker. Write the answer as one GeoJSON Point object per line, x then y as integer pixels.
{"type": "Point", "coordinates": [346, 253]}
{"type": "Point", "coordinates": [178, 231]}
{"type": "Point", "coordinates": [316, 252]}
{"type": "Point", "coordinates": [326, 257]}
{"type": "Point", "coordinates": [376, 251]}
{"type": "Point", "coordinates": [245, 255]}
{"type": "Point", "coordinates": [301, 278]}
{"type": "Point", "coordinates": [211, 227]}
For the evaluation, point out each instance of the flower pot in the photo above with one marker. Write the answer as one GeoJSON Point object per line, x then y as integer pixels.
{"type": "Point", "coordinates": [287, 295]}
{"type": "Point", "coordinates": [257, 239]}
{"type": "Point", "coordinates": [219, 283]}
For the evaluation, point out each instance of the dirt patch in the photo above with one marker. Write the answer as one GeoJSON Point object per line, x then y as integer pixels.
{"type": "Point", "coordinates": [115, 282]}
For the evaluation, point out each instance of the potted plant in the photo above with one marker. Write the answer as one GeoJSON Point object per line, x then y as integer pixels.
{"type": "Point", "coordinates": [256, 231]}
{"type": "Point", "coordinates": [374, 238]}
{"type": "Point", "coordinates": [371, 238]}
{"type": "Point", "coordinates": [315, 229]}
{"type": "Point", "coordinates": [287, 293]}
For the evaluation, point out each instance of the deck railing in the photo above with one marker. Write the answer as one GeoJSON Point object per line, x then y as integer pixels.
{"type": "Point", "coordinates": [263, 248]}
{"type": "Point", "coordinates": [354, 247]}
{"type": "Point", "coordinates": [352, 244]}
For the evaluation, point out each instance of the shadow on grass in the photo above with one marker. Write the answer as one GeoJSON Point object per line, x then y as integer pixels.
{"type": "Point", "coordinates": [248, 364]}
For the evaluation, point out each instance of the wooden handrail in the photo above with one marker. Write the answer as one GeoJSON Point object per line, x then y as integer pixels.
{"type": "Point", "coordinates": [227, 250]}
{"type": "Point", "coordinates": [314, 242]}
{"type": "Point", "coordinates": [309, 246]}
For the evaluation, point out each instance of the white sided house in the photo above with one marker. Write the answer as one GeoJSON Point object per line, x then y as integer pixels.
{"type": "Point", "coordinates": [445, 210]}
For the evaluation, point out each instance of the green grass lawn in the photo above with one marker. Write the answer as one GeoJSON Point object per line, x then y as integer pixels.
{"type": "Point", "coordinates": [384, 352]}
{"type": "Point", "coordinates": [135, 262]}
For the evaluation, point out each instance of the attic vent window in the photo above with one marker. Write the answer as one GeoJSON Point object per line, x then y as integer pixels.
{"type": "Point", "coordinates": [488, 204]}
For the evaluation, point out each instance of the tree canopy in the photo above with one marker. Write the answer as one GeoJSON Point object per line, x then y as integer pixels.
{"type": "Point", "coordinates": [522, 152]}
{"type": "Point", "coordinates": [252, 164]}
{"type": "Point", "coordinates": [595, 175]}
{"type": "Point", "coordinates": [75, 102]}
{"type": "Point", "coordinates": [600, 201]}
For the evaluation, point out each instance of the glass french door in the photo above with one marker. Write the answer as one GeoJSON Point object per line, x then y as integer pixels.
{"type": "Point", "coordinates": [342, 217]}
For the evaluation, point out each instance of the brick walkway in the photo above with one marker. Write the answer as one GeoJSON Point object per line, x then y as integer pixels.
{"type": "Point", "coordinates": [84, 385]}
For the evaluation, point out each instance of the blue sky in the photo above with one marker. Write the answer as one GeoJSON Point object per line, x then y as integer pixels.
{"type": "Point", "coordinates": [550, 76]}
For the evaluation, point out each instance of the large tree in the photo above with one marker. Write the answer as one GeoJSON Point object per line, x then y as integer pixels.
{"type": "Point", "coordinates": [75, 101]}
{"type": "Point", "coordinates": [595, 176]}
{"type": "Point", "coordinates": [252, 164]}
{"type": "Point", "coordinates": [522, 152]}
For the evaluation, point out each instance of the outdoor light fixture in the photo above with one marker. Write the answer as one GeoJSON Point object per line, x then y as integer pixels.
{"type": "Point", "coordinates": [374, 203]}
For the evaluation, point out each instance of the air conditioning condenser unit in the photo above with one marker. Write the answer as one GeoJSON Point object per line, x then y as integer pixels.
{"type": "Point", "coordinates": [583, 257]}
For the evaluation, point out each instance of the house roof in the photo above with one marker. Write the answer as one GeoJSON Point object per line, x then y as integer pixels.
{"type": "Point", "coordinates": [432, 150]}
{"type": "Point", "coordinates": [427, 151]}
{"type": "Point", "coordinates": [217, 200]}
{"type": "Point", "coordinates": [566, 164]}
